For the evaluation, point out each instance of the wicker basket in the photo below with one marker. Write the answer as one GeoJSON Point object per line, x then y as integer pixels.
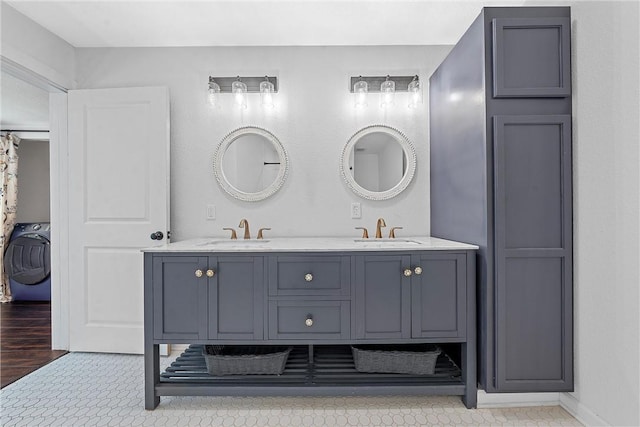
{"type": "Point", "coordinates": [389, 360]}
{"type": "Point", "coordinates": [245, 360]}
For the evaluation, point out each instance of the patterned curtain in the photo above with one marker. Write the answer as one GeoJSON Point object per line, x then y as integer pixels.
{"type": "Point", "coordinates": [8, 201]}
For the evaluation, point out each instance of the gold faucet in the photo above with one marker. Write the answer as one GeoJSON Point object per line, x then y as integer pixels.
{"type": "Point", "coordinates": [245, 224]}
{"type": "Point", "coordinates": [379, 225]}
{"type": "Point", "coordinates": [260, 236]}
{"type": "Point", "coordinates": [392, 232]}
{"type": "Point", "coordinates": [234, 236]}
{"type": "Point", "coordinates": [365, 232]}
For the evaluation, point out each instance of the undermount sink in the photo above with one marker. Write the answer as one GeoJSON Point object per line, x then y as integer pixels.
{"type": "Point", "coordinates": [385, 242]}
{"type": "Point", "coordinates": [236, 243]}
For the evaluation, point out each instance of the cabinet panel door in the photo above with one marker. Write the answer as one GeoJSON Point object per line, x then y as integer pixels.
{"type": "Point", "coordinates": [533, 253]}
{"type": "Point", "coordinates": [383, 297]}
{"type": "Point", "coordinates": [179, 297]}
{"type": "Point", "coordinates": [438, 296]}
{"type": "Point", "coordinates": [236, 298]}
{"type": "Point", "coordinates": [531, 57]}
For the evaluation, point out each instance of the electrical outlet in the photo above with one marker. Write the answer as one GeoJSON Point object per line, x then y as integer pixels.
{"type": "Point", "coordinates": [211, 212]}
{"type": "Point", "coordinates": [356, 210]}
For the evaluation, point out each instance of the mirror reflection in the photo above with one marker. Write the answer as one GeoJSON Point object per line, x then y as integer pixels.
{"type": "Point", "coordinates": [251, 163]}
{"type": "Point", "coordinates": [377, 162]}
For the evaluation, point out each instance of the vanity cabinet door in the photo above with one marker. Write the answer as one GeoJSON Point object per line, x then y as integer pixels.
{"type": "Point", "coordinates": [235, 298]}
{"type": "Point", "coordinates": [179, 297]}
{"type": "Point", "coordinates": [383, 296]}
{"type": "Point", "coordinates": [438, 295]}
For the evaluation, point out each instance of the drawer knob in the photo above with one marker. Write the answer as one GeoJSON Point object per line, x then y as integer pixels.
{"type": "Point", "coordinates": [308, 277]}
{"type": "Point", "coordinates": [211, 273]}
{"type": "Point", "coordinates": [407, 272]}
{"type": "Point", "coordinates": [199, 273]}
{"type": "Point", "coordinates": [418, 270]}
{"type": "Point", "coordinates": [308, 321]}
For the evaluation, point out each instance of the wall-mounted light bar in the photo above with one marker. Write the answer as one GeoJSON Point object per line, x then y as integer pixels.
{"type": "Point", "coordinates": [253, 83]}
{"type": "Point", "coordinates": [387, 86]}
{"type": "Point", "coordinates": [374, 82]}
{"type": "Point", "coordinates": [239, 86]}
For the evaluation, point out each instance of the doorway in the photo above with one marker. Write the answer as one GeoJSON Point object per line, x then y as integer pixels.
{"type": "Point", "coordinates": [25, 335]}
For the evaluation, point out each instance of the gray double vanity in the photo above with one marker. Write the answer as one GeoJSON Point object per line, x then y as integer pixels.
{"type": "Point", "coordinates": [500, 151]}
{"type": "Point", "coordinates": [319, 295]}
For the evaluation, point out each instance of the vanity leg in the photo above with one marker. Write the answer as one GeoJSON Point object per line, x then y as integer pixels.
{"type": "Point", "coordinates": [310, 354]}
{"type": "Point", "coordinates": [469, 364]}
{"type": "Point", "coordinates": [470, 398]}
{"type": "Point", "coordinates": [151, 375]}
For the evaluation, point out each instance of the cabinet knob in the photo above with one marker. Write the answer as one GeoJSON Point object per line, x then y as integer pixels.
{"type": "Point", "coordinates": [210, 273]}
{"type": "Point", "coordinates": [308, 321]}
{"type": "Point", "coordinates": [418, 270]}
{"type": "Point", "coordinates": [199, 273]}
{"type": "Point", "coordinates": [407, 272]}
{"type": "Point", "coordinates": [308, 277]}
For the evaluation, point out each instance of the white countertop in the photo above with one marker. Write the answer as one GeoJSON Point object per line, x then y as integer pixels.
{"type": "Point", "coordinates": [311, 244]}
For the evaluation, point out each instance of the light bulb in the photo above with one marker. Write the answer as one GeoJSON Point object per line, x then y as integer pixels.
{"type": "Point", "coordinates": [266, 93]}
{"type": "Point", "coordinates": [213, 94]}
{"type": "Point", "coordinates": [415, 93]}
{"type": "Point", "coordinates": [239, 90]}
{"type": "Point", "coordinates": [387, 93]}
{"type": "Point", "coordinates": [360, 90]}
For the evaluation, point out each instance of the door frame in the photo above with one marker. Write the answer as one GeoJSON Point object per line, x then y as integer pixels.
{"type": "Point", "coordinates": [59, 195]}
{"type": "Point", "coordinates": [59, 167]}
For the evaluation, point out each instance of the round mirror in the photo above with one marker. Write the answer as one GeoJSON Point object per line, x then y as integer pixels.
{"type": "Point", "coordinates": [378, 162]}
{"type": "Point", "coordinates": [250, 164]}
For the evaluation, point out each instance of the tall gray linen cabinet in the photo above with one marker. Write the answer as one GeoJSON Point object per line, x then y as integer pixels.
{"type": "Point", "coordinates": [500, 131]}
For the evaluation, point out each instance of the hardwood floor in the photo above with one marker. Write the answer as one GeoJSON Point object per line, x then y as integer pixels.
{"type": "Point", "coordinates": [25, 339]}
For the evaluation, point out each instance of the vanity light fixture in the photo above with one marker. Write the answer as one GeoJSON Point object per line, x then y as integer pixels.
{"type": "Point", "coordinates": [387, 91]}
{"type": "Point", "coordinates": [239, 90]}
{"type": "Point", "coordinates": [214, 93]}
{"type": "Point", "coordinates": [266, 93]}
{"type": "Point", "coordinates": [240, 86]}
{"type": "Point", "coordinates": [388, 86]}
{"type": "Point", "coordinates": [415, 92]}
{"type": "Point", "coordinates": [360, 89]}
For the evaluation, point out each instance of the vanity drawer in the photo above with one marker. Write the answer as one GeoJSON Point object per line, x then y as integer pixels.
{"type": "Point", "coordinates": [309, 275]}
{"type": "Point", "coordinates": [309, 319]}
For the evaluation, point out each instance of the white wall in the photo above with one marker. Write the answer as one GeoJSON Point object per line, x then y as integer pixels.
{"type": "Point", "coordinates": [33, 181]}
{"type": "Point", "coordinates": [606, 222]}
{"type": "Point", "coordinates": [314, 118]}
{"type": "Point", "coordinates": [35, 48]}
{"type": "Point", "coordinates": [606, 161]}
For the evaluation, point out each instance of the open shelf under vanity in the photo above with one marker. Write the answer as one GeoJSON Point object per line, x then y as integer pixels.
{"type": "Point", "coordinates": [307, 368]}
{"type": "Point", "coordinates": [310, 370]}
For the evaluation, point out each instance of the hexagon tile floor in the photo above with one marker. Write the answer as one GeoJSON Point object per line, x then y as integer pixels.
{"type": "Point", "coordinates": [86, 389]}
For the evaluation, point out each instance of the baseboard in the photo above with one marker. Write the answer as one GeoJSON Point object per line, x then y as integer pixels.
{"type": "Point", "coordinates": [579, 411]}
{"type": "Point", "coordinates": [510, 400]}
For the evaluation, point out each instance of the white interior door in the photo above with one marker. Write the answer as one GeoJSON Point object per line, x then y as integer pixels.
{"type": "Point", "coordinates": [118, 196]}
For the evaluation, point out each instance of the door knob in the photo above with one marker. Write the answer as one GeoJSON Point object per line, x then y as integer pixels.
{"type": "Point", "coordinates": [407, 272]}
{"type": "Point", "coordinates": [418, 270]}
{"type": "Point", "coordinates": [158, 235]}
